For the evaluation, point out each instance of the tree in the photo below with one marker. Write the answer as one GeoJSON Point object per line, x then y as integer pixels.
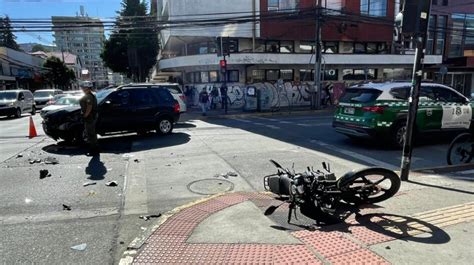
{"type": "Point", "coordinates": [133, 45]}
{"type": "Point", "coordinates": [7, 38]}
{"type": "Point", "coordinates": [39, 48]}
{"type": "Point", "coordinates": [58, 74]}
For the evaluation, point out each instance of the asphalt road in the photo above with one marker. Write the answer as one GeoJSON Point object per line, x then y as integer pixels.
{"type": "Point", "coordinates": [154, 174]}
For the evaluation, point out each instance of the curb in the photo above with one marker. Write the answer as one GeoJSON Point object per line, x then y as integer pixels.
{"type": "Point", "coordinates": [445, 169]}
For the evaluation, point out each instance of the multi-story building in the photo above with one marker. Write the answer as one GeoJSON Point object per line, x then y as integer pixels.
{"type": "Point", "coordinates": [452, 36]}
{"type": "Point", "coordinates": [276, 50]}
{"type": "Point", "coordinates": [83, 36]}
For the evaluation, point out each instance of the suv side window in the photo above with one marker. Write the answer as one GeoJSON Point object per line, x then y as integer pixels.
{"type": "Point", "coordinates": [400, 92]}
{"type": "Point", "coordinates": [427, 94]}
{"type": "Point", "coordinates": [446, 95]}
{"type": "Point", "coordinates": [164, 95]}
{"type": "Point", "coordinates": [173, 89]}
{"type": "Point", "coordinates": [141, 97]}
{"type": "Point", "coordinates": [121, 97]}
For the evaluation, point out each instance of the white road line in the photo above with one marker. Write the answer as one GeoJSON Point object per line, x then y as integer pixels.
{"type": "Point", "coordinates": [304, 125]}
{"type": "Point", "coordinates": [241, 120]}
{"type": "Point", "coordinates": [285, 122]}
{"type": "Point", "coordinates": [273, 127]}
{"type": "Point", "coordinates": [258, 124]}
{"type": "Point", "coordinates": [355, 155]}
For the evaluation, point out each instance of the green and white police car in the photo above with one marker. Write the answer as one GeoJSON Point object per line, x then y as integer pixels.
{"type": "Point", "coordinates": [379, 110]}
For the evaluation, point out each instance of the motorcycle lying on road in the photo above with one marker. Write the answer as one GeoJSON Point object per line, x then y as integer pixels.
{"type": "Point", "coordinates": [321, 190]}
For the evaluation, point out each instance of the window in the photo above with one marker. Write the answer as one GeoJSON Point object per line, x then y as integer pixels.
{"type": "Point", "coordinates": [396, 74]}
{"type": "Point", "coordinates": [446, 95]}
{"type": "Point", "coordinates": [346, 47]}
{"type": "Point", "coordinates": [359, 74]}
{"type": "Point", "coordinates": [456, 45]}
{"type": "Point", "coordinates": [431, 33]}
{"type": "Point", "coordinates": [287, 74]}
{"type": "Point", "coordinates": [120, 97]}
{"type": "Point", "coordinates": [360, 95]}
{"type": "Point", "coordinates": [306, 47]}
{"type": "Point", "coordinates": [330, 75]}
{"type": "Point", "coordinates": [371, 48]}
{"type": "Point", "coordinates": [286, 47]}
{"type": "Point", "coordinates": [382, 48]}
{"type": "Point", "coordinates": [164, 95]}
{"type": "Point", "coordinates": [272, 75]}
{"type": "Point", "coordinates": [197, 77]}
{"type": "Point", "coordinates": [259, 46]}
{"type": "Point", "coordinates": [400, 92]}
{"type": "Point", "coordinates": [426, 94]}
{"type": "Point", "coordinates": [375, 8]}
{"type": "Point", "coordinates": [332, 4]}
{"type": "Point", "coordinates": [189, 77]}
{"type": "Point", "coordinates": [283, 5]}
{"type": "Point", "coordinates": [441, 24]}
{"type": "Point", "coordinates": [233, 75]}
{"type": "Point", "coordinates": [306, 75]}
{"type": "Point", "coordinates": [359, 48]}
{"type": "Point", "coordinates": [330, 47]}
{"type": "Point", "coordinates": [213, 76]}
{"type": "Point", "coordinates": [258, 75]}
{"type": "Point", "coordinates": [272, 46]}
{"type": "Point", "coordinates": [204, 77]}
{"type": "Point", "coordinates": [142, 97]}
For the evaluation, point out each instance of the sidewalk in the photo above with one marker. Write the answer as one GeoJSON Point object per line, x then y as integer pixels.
{"type": "Point", "coordinates": [195, 113]}
{"type": "Point", "coordinates": [431, 213]}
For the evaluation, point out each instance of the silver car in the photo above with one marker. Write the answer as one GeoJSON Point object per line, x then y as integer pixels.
{"type": "Point", "coordinates": [43, 96]}
{"type": "Point", "coordinates": [16, 102]}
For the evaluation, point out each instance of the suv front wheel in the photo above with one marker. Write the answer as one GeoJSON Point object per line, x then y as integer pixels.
{"type": "Point", "coordinates": [165, 126]}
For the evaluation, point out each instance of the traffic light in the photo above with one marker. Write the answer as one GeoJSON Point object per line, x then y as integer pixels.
{"type": "Point", "coordinates": [413, 20]}
{"type": "Point", "coordinates": [223, 65]}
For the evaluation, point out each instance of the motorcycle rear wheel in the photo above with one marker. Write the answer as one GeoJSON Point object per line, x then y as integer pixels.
{"type": "Point", "coordinates": [369, 185]}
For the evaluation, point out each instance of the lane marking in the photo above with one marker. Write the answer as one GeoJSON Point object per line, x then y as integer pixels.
{"type": "Point", "coordinates": [273, 127]}
{"type": "Point", "coordinates": [355, 155]}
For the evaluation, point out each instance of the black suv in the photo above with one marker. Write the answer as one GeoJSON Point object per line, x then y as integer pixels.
{"type": "Point", "coordinates": [130, 108]}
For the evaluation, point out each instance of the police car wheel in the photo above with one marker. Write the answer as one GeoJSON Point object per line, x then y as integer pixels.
{"type": "Point", "coordinates": [398, 134]}
{"type": "Point", "coordinates": [165, 126]}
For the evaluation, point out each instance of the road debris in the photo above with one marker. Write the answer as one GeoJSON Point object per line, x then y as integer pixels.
{"type": "Point", "coordinates": [34, 161]}
{"type": "Point", "coordinates": [66, 207]}
{"type": "Point", "coordinates": [20, 155]}
{"type": "Point", "coordinates": [136, 161]}
{"type": "Point", "coordinates": [44, 173]}
{"type": "Point", "coordinates": [111, 183]}
{"type": "Point", "coordinates": [89, 184]}
{"type": "Point", "coordinates": [51, 160]}
{"type": "Point", "coordinates": [148, 217]}
{"type": "Point", "coordinates": [28, 200]}
{"type": "Point", "coordinates": [80, 247]}
{"type": "Point", "coordinates": [227, 175]}
{"type": "Point", "coordinates": [127, 156]}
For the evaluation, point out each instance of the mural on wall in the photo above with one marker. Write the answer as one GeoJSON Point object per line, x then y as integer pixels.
{"type": "Point", "coordinates": [277, 95]}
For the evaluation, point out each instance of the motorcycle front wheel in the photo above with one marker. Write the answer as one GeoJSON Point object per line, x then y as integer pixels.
{"type": "Point", "coordinates": [369, 185]}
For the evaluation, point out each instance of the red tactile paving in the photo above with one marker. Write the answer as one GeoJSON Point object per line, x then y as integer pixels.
{"type": "Point", "coordinates": [253, 195]}
{"type": "Point", "coordinates": [369, 236]}
{"type": "Point", "coordinates": [361, 256]}
{"type": "Point", "coordinates": [176, 227]}
{"type": "Point", "coordinates": [211, 206]}
{"type": "Point", "coordinates": [190, 214]}
{"type": "Point", "coordinates": [329, 244]}
{"type": "Point", "coordinates": [231, 199]}
{"type": "Point", "coordinates": [250, 254]}
{"type": "Point", "coordinates": [294, 254]}
{"type": "Point", "coordinates": [207, 253]}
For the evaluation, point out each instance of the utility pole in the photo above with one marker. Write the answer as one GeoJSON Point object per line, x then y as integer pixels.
{"type": "Point", "coordinates": [316, 95]}
{"type": "Point", "coordinates": [414, 22]}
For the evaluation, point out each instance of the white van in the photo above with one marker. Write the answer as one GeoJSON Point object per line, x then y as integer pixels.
{"type": "Point", "coordinates": [16, 102]}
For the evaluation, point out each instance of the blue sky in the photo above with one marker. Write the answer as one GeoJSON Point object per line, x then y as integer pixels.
{"type": "Point", "coordinates": [47, 8]}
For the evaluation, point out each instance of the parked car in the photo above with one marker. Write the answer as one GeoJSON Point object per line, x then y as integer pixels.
{"type": "Point", "coordinates": [42, 96]}
{"type": "Point", "coordinates": [16, 102]}
{"type": "Point", "coordinates": [379, 110]}
{"type": "Point", "coordinates": [63, 102]}
{"type": "Point", "coordinates": [131, 108]}
{"type": "Point", "coordinates": [177, 93]}
{"type": "Point", "coordinates": [53, 100]}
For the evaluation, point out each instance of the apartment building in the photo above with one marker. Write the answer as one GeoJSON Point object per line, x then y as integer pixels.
{"type": "Point", "coordinates": [84, 36]}
{"type": "Point", "coordinates": [278, 47]}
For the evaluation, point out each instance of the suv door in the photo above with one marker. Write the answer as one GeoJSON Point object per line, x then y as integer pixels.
{"type": "Point", "coordinates": [144, 107]}
{"type": "Point", "coordinates": [456, 110]}
{"type": "Point", "coordinates": [115, 113]}
{"type": "Point", "coordinates": [429, 110]}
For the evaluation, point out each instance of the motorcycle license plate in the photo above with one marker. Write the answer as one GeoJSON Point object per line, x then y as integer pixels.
{"type": "Point", "coordinates": [349, 111]}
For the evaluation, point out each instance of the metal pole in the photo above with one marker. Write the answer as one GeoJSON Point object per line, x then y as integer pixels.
{"type": "Point", "coordinates": [420, 41]}
{"type": "Point", "coordinates": [316, 96]}
{"type": "Point", "coordinates": [254, 25]}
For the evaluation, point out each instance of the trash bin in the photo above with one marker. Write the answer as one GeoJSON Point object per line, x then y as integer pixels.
{"type": "Point", "coordinates": [263, 99]}
{"type": "Point", "coordinates": [250, 94]}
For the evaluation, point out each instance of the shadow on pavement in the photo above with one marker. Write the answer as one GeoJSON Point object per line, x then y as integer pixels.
{"type": "Point", "coordinates": [96, 169]}
{"type": "Point", "coordinates": [121, 144]}
{"type": "Point", "coordinates": [442, 187]}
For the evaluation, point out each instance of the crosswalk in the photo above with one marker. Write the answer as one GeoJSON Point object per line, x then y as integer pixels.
{"type": "Point", "coordinates": [277, 124]}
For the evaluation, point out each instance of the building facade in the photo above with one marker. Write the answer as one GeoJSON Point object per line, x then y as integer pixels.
{"type": "Point", "coordinates": [19, 70]}
{"type": "Point", "coordinates": [86, 42]}
{"type": "Point", "coordinates": [276, 50]}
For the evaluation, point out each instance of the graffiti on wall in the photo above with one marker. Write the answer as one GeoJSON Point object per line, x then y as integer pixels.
{"type": "Point", "coordinates": [276, 95]}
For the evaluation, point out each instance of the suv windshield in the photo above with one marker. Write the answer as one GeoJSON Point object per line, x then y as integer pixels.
{"type": "Point", "coordinates": [360, 95]}
{"type": "Point", "coordinates": [43, 94]}
{"type": "Point", "coordinates": [7, 95]}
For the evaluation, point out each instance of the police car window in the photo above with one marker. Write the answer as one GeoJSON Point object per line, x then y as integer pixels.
{"type": "Point", "coordinates": [427, 94]}
{"type": "Point", "coordinates": [142, 97]}
{"type": "Point", "coordinates": [400, 92]}
{"type": "Point", "coordinates": [446, 95]}
{"type": "Point", "coordinates": [360, 95]}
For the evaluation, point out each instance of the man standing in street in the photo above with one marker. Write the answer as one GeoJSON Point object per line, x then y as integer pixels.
{"type": "Point", "coordinates": [89, 111]}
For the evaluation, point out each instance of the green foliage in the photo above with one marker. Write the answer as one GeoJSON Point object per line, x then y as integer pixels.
{"type": "Point", "coordinates": [133, 46]}
{"type": "Point", "coordinates": [39, 47]}
{"type": "Point", "coordinates": [58, 74]}
{"type": "Point", "coordinates": [7, 38]}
